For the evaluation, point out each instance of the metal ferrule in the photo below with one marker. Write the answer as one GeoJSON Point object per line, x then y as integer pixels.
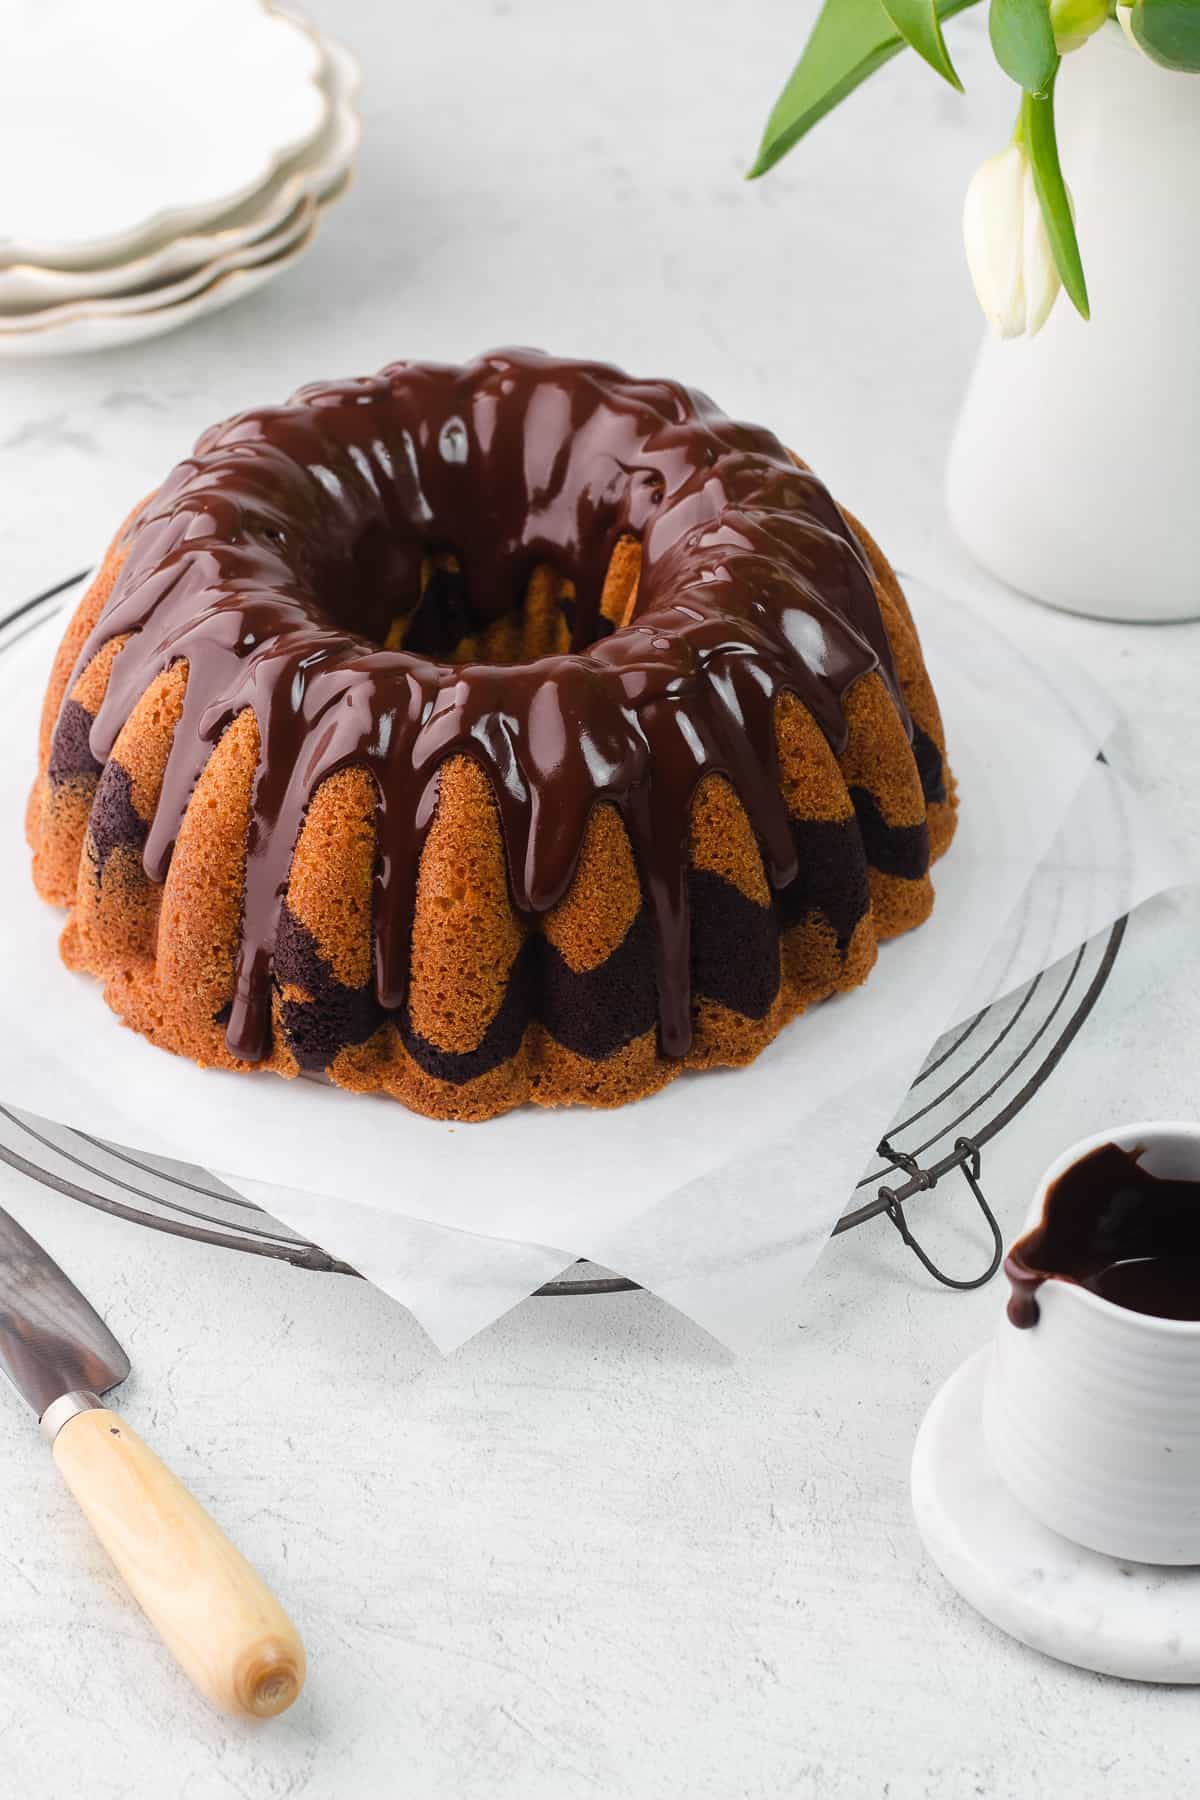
{"type": "Point", "coordinates": [61, 1411]}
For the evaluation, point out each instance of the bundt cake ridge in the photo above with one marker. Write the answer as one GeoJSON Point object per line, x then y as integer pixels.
{"type": "Point", "coordinates": [513, 731]}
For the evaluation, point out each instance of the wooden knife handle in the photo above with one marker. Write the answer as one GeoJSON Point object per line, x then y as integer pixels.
{"type": "Point", "coordinates": [214, 1613]}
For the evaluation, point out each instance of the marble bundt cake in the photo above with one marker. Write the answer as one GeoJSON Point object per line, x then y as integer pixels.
{"type": "Point", "coordinates": [512, 732]}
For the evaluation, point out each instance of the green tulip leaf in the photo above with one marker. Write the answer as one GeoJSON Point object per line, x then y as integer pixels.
{"type": "Point", "coordinates": [918, 24]}
{"type": "Point", "coordinates": [1169, 32]}
{"type": "Point", "coordinates": [850, 40]}
{"type": "Point", "coordinates": [1037, 127]}
{"type": "Point", "coordinates": [1023, 39]}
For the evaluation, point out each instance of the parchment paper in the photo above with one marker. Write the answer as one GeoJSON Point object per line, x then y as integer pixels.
{"type": "Point", "coordinates": [717, 1193]}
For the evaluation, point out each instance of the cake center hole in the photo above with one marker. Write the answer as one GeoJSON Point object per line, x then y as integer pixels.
{"type": "Point", "coordinates": [406, 597]}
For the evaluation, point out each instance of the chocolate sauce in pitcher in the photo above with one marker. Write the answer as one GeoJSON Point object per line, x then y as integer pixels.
{"type": "Point", "coordinates": [1110, 1226]}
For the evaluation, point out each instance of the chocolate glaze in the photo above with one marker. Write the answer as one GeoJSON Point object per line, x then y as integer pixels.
{"type": "Point", "coordinates": [1110, 1226]}
{"type": "Point", "coordinates": [274, 559]}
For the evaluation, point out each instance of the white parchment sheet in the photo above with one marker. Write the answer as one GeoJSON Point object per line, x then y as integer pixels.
{"type": "Point", "coordinates": [717, 1193]}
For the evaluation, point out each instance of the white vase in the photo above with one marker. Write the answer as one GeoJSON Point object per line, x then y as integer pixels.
{"type": "Point", "coordinates": [1074, 473]}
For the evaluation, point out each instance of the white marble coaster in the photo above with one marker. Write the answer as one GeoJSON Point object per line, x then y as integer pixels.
{"type": "Point", "coordinates": [1132, 1619]}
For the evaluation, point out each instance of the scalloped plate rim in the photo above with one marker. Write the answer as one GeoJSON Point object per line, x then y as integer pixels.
{"type": "Point", "coordinates": [168, 221]}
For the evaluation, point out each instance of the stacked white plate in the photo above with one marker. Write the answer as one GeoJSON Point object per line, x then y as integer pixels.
{"type": "Point", "coordinates": [158, 161]}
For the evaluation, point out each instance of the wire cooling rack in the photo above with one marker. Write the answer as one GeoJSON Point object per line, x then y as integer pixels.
{"type": "Point", "coordinates": [976, 1080]}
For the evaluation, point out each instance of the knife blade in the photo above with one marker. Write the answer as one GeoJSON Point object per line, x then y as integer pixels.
{"type": "Point", "coordinates": [213, 1611]}
{"type": "Point", "coordinates": [52, 1342]}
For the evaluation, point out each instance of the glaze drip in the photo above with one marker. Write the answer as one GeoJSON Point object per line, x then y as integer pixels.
{"type": "Point", "coordinates": [246, 560]}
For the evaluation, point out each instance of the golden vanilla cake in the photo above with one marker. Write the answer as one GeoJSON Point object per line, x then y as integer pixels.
{"type": "Point", "coordinates": [478, 735]}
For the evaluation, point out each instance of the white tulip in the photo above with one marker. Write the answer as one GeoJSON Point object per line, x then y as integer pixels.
{"type": "Point", "coordinates": [1008, 251]}
{"type": "Point", "coordinates": [1074, 21]}
{"type": "Point", "coordinates": [1040, 271]}
{"type": "Point", "coordinates": [1125, 16]}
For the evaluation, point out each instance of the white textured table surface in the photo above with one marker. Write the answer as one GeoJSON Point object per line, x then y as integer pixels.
{"type": "Point", "coordinates": [590, 1554]}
